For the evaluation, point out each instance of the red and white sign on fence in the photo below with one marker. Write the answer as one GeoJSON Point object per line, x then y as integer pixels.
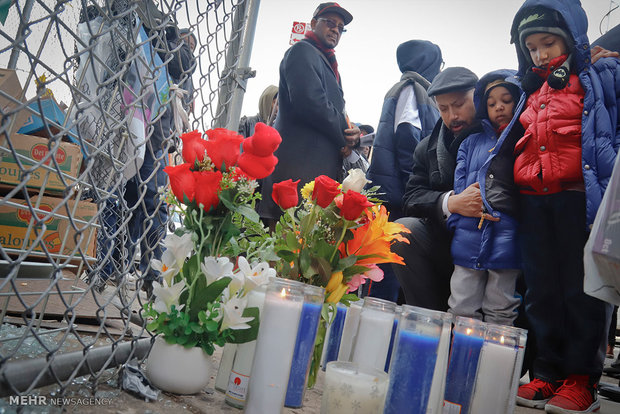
{"type": "Point", "coordinates": [299, 31]}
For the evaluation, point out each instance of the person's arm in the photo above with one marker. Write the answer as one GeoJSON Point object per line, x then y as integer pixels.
{"type": "Point", "coordinates": [420, 199]}
{"type": "Point", "coordinates": [302, 68]}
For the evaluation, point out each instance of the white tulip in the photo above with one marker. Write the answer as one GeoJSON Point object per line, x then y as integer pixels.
{"type": "Point", "coordinates": [356, 181]}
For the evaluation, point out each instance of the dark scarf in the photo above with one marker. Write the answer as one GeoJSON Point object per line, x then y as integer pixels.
{"type": "Point", "coordinates": [330, 54]}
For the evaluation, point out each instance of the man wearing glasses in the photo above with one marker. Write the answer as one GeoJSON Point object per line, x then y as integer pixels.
{"type": "Point", "coordinates": [316, 133]}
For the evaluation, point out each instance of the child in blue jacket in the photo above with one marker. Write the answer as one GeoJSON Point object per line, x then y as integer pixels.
{"type": "Point", "coordinates": [563, 164]}
{"type": "Point", "coordinates": [485, 251]}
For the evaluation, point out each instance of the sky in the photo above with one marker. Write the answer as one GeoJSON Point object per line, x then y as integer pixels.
{"type": "Point", "coordinates": [470, 33]}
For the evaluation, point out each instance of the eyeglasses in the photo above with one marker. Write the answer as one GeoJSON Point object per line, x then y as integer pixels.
{"type": "Point", "coordinates": [332, 24]}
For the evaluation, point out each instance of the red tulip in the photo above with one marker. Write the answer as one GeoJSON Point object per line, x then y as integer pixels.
{"type": "Point", "coordinates": [285, 193]}
{"type": "Point", "coordinates": [182, 181]}
{"type": "Point", "coordinates": [193, 147]}
{"type": "Point", "coordinates": [207, 188]}
{"type": "Point", "coordinates": [325, 190]}
{"type": "Point", "coordinates": [264, 142]}
{"type": "Point", "coordinates": [353, 204]}
{"type": "Point", "coordinates": [255, 166]}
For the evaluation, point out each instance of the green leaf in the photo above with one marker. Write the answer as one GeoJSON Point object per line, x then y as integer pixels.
{"type": "Point", "coordinates": [241, 336]}
{"type": "Point", "coordinates": [212, 326]}
{"type": "Point", "coordinates": [348, 298]}
{"type": "Point", "coordinates": [286, 255]}
{"type": "Point", "coordinates": [249, 213]}
{"type": "Point", "coordinates": [353, 270]}
{"type": "Point", "coordinates": [291, 241]}
{"type": "Point", "coordinates": [347, 262]}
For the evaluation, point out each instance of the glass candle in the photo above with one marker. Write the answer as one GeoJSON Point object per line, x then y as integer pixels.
{"type": "Point", "coordinates": [517, 375]}
{"type": "Point", "coordinates": [413, 364]}
{"type": "Point", "coordinates": [240, 372]}
{"type": "Point", "coordinates": [350, 388]}
{"type": "Point", "coordinates": [498, 360]}
{"type": "Point", "coordinates": [374, 332]}
{"type": "Point", "coordinates": [388, 359]}
{"type": "Point", "coordinates": [349, 330]}
{"type": "Point", "coordinates": [332, 341]}
{"type": "Point", "coordinates": [304, 345]}
{"type": "Point", "coordinates": [435, 402]}
{"type": "Point", "coordinates": [274, 347]}
{"type": "Point", "coordinates": [223, 372]}
{"type": "Point", "coordinates": [463, 363]}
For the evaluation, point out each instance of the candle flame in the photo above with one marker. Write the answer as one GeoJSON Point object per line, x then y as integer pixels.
{"type": "Point", "coordinates": [283, 293]}
{"type": "Point", "coordinates": [468, 331]}
{"type": "Point", "coordinates": [501, 340]}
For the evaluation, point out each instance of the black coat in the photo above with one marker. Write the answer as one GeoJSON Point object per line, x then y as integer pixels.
{"type": "Point", "coordinates": [434, 161]}
{"type": "Point", "coordinates": [310, 119]}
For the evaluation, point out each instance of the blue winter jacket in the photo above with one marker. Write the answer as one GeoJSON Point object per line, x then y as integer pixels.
{"type": "Point", "coordinates": [392, 156]}
{"type": "Point", "coordinates": [495, 244]}
{"type": "Point", "coordinates": [600, 132]}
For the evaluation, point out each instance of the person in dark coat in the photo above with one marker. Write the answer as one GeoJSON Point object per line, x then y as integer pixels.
{"type": "Point", "coordinates": [311, 116]}
{"type": "Point", "coordinates": [429, 199]}
{"type": "Point", "coordinates": [407, 116]}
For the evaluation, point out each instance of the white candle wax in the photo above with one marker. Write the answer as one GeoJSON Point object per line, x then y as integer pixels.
{"type": "Point", "coordinates": [435, 401]}
{"type": "Point", "coordinates": [517, 374]}
{"type": "Point", "coordinates": [493, 381]}
{"type": "Point", "coordinates": [373, 338]}
{"type": "Point", "coordinates": [349, 331]}
{"type": "Point", "coordinates": [239, 377]}
{"type": "Point", "coordinates": [274, 353]}
{"type": "Point", "coordinates": [349, 389]}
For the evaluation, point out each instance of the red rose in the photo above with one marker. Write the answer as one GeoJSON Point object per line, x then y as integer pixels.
{"type": "Point", "coordinates": [193, 147]}
{"type": "Point", "coordinates": [285, 194]}
{"type": "Point", "coordinates": [207, 188]}
{"type": "Point", "coordinates": [255, 166]}
{"type": "Point", "coordinates": [325, 190]}
{"type": "Point", "coordinates": [223, 147]}
{"type": "Point", "coordinates": [264, 142]}
{"type": "Point", "coordinates": [181, 181]}
{"type": "Point", "coordinates": [353, 204]}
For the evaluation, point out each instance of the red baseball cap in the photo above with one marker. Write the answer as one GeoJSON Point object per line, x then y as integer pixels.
{"type": "Point", "coordinates": [332, 7]}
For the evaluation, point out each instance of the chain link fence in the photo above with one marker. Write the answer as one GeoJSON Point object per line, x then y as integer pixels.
{"type": "Point", "coordinates": [92, 100]}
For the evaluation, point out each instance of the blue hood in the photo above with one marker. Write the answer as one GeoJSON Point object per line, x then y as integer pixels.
{"type": "Point", "coordinates": [419, 56]}
{"type": "Point", "coordinates": [576, 21]}
{"type": "Point", "coordinates": [506, 74]}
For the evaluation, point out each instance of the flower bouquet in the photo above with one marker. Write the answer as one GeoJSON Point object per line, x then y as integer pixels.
{"type": "Point", "coordinates": [335, 238]}
{"type": "Point", "coordinates": [200, 301]}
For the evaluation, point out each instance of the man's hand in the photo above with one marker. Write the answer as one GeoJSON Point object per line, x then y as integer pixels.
{"type": "Point", "coordinates": [598, 52]}
{"type": "Point", "coordinates": [352, 136]}
{"type": "Point", "coordinates": [469, 203]}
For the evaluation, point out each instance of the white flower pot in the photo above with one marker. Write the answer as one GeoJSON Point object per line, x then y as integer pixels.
{"type": "Point", "coordinates": [176, 369]}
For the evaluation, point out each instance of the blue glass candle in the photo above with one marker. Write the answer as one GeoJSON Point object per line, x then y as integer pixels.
{"type": "Point", "coordinates": [335, 335]}
{"type": "Point", "coordinates": [413, 365]}
{"type": "Point", "coordinates": [306, 335]}
{"type": "Point", "coordinates": [394, 329]}
{"type": "Point", "coordinates": [467, 342]}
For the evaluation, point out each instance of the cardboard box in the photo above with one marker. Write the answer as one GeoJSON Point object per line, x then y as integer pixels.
{"type": "Point", "coordinates": [59, 236]}
{"type": "Point", "coordinates": [32, 150]}
{"type": "Point", "coordinates": [52, 114]}
{"type": "Point", "coordinates": [11, 88]}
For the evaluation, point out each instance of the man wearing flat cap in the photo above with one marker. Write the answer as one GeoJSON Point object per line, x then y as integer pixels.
{"type": "Point", "coordinates": [429, 199]}
{"type": "Point", "coordinates": [315, 131]}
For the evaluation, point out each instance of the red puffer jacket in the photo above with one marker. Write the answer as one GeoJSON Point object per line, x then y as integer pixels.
{"type": "Point", "coordinates": [548, 157]}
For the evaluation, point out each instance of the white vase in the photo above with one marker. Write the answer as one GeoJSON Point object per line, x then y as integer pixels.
{"type": "Point", "coordinates": [177, 369]}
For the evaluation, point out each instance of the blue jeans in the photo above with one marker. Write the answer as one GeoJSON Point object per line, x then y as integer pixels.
{"type": "Point", "coordinates": [149, 217]}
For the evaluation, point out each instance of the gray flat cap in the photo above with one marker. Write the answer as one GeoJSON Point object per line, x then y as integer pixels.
{"type": "Point", "coordinates": [451, 80]}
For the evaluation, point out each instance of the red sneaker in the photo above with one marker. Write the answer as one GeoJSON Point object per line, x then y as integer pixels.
{"type": "Point", "coordinates": [536, 393]}
{"type": "Point", "coordinates": [575, 396]}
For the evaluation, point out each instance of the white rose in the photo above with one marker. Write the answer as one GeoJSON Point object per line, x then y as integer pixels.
{"type": "Point", "coordinates": [356, 181]}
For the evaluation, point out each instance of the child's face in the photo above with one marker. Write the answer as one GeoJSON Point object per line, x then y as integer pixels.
{"type": "Point", "coordinates": [500, 106]}
{"type": "Point", "coordinates": [544, 47]}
